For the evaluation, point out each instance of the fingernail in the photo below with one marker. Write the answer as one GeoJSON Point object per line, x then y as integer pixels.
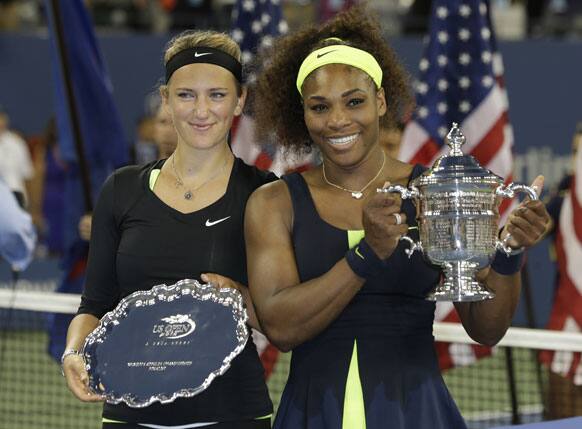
{"type": "Point", "coordinates": [386, 184]}
{"type": "Point", "coordinates": [204, 277]}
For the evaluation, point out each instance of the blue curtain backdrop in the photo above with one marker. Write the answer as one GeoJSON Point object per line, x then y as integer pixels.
{"type": "Point", "coordinates": [102, 136]}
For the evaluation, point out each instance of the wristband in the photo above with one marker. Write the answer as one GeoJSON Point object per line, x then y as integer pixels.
{"type": "Point", "coordinates": [363, 261]}
{"type": "Point", "coordinates": [507, 265]}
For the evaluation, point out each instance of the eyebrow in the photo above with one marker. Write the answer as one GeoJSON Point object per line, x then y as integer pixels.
{"type": "Point", "coordinates": [345, 94]}
{"type": "Point", "coordinates": [218, 88]}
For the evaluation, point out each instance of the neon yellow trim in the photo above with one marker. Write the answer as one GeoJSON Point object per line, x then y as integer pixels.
{"type": "Point", "coordinates": [268, 416]}
{"type": "Point", "coordinates": [154, 177]}
{"type": "Point", "coordinates": [354, 237]}
{"type": "Point", "coordinates": [354, 410]}
{"type": "Point", "coordinates": [340, 54]}
{"type": "Point", "coordinates": [105, 420]}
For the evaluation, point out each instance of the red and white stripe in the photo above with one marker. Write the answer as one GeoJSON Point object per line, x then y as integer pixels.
{"type": "Point", "coordinates": [567, 310]}
{"type": "Point", "coordinates": [244, 144]}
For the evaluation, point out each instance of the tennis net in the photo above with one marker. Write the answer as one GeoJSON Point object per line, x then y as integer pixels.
{"type": "Point", "coordinates": [492, 387]}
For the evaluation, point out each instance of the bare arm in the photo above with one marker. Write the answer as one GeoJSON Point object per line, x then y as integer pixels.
{"type": "Point", "coordinates": [289, 311]}
{"type": "Point", "coordinates": [74, 365]}
{"type": "Point", "coordinates": [487, 321]}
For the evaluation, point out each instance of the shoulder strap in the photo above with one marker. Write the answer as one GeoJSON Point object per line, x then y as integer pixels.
{"type": "Point", "coordinates": [303, 205]}
{"type": "Point", "coordinates": [417, 170]}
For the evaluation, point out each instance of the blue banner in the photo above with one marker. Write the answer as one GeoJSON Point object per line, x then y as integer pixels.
{"type": "Point", "coordinates": [101, 134]}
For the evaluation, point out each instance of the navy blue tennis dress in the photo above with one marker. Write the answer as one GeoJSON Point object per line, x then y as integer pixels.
{"type": "Point", "coordinates": [375, 366]}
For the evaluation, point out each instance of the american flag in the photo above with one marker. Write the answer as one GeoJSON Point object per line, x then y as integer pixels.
{"type": "Point", "coordinates": [256, 23]}
{"type": "Point", "coordinates": [461, 80]}
{"type": "Point", "coordinates": [567, 310]}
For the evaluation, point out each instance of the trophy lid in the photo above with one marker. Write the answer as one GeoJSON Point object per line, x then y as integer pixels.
{"type": "Point", "coordinates": [456, 166]}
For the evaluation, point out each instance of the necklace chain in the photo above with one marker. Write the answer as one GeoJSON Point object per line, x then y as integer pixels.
{"type": "Point", "coordinates": [355, 194]}
{"type": "Point", "coordinates": [189, 194]}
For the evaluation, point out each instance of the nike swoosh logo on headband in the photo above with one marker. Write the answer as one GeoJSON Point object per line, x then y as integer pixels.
{"type": "Point", "coordinates": [196, 54]}
{"type": "Point", "coordinates": [325, 53]}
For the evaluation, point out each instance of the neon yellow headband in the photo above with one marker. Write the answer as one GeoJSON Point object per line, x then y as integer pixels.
{"type": "Point", "coordinates": [340, 54]}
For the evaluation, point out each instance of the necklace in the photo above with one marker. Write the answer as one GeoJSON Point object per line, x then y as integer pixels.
{"type": "Point", "coordinates": [355, 194]}
{"type": "Point", "coordinates": [189, 194]}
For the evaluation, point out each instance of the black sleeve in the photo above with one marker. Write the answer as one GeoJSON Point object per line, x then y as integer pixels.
{"type": "Point", "coordinates": [267, 177]}
{"type": "Point", "coordinates": [254, 176]}
{"type": "Point", "coordinates": [101, 291]}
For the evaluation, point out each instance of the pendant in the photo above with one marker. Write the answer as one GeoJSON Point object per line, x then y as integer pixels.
{"type": "Point", "coordinates": [188, 195]}
{"type": "Point", "coordinates": [357, 195]}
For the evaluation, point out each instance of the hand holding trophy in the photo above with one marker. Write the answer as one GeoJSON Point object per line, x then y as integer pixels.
{"type": "Point", "coordinates": [457, 217]}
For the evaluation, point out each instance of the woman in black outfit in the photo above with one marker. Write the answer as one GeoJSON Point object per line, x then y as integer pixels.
{"type": "Point", "coordinates": [177, 218]}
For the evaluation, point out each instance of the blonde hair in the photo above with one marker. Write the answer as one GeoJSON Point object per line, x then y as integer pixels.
{"type": "Point", "coordinates": [208, 39]}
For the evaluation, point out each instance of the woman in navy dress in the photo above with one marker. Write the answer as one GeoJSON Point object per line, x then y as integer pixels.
{"type": "Point", "coordinates": [327, 274]}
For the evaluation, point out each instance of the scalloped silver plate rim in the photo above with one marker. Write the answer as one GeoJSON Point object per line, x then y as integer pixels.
{"type": "Point", "coordinates": [210, 293]}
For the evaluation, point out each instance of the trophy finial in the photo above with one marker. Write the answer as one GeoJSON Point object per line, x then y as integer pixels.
{"type": "Point", "coordinates": [455, 139]}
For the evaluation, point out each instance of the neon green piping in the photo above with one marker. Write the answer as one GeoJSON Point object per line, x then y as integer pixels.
{"type": "Point", "coordinates": [154, 177]}
{"type": "Point", "coordinates": [354, 410]}
{"type": "Point", "coordinates": [354, 237]}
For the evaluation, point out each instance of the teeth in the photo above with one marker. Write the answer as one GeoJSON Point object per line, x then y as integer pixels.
{"type": "Point", "coordinates": [343, 140]}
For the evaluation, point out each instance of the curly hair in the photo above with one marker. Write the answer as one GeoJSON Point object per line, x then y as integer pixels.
{"type": "Point", "coordinates": [278, 105]}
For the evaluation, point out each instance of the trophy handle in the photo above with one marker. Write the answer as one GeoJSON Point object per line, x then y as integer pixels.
{"type": "Point", "coordinates": [414, 246]}
{"type": "Point", "coordinates": [509, 192]}
{"type": "Point", "coordinates": [405, 193]}
{"type": "Point", "coordinates": [505, 248]}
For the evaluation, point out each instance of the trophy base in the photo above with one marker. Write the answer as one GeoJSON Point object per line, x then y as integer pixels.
{"type": "Point", "coordinates": [460, 284]}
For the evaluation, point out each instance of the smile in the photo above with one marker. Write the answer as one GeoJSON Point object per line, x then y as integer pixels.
{"type": "Point", "coordinates": [342, 141]}
{"type": "Point", "coordinates": [201, 127]}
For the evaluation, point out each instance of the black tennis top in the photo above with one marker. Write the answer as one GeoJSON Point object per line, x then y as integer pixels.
{"type": "Point", "coordinates": [138, 242]}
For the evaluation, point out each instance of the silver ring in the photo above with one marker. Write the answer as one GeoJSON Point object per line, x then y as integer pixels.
{"type": "Point", "coordinates": [398, 218]}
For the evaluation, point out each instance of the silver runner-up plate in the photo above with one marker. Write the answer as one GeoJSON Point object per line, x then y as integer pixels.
{"type": "Point", "coordinates": [165, 343]}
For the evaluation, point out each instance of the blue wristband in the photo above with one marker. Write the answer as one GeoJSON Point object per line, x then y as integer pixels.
{"type": "Point", "coordinates": [507, 265]}
{"type": "Point", "coordinates": [363, 261]}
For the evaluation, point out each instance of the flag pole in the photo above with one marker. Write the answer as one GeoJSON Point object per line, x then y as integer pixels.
{"type": "Point", "coordinates": [71, 103]}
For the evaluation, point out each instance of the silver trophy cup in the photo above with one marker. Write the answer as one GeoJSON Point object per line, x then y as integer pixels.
{"type": "Point", "coordinates": [456, 203]}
